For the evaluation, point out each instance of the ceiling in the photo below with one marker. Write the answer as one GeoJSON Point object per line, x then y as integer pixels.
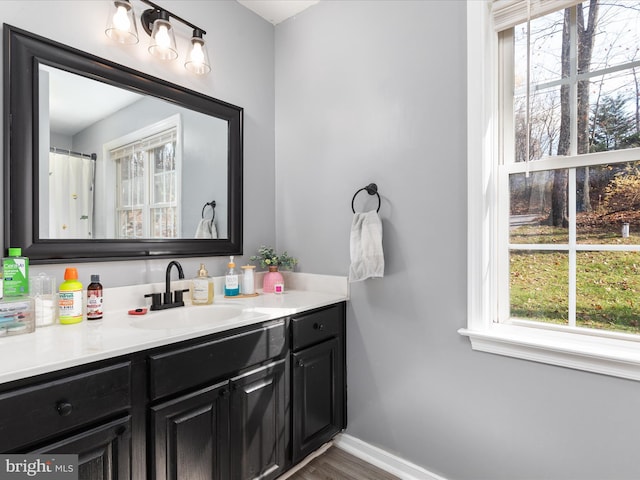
{"type": "Point", "coordinates": [276, 11]}
{"type": "Point", "coordinates": [76, 102]}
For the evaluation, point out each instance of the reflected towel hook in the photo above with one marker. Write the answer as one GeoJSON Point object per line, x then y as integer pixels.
{"type": "Point", "coordinates": [371, 189]}
{"type": "Point", "coordinates": [211, 204]}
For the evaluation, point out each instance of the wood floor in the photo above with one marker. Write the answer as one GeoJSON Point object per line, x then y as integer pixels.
{"type": "Point", "coordinates": [336, 464]}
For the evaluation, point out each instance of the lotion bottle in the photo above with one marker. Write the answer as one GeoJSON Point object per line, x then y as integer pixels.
{"type": "Point", "coordinates": [202, 288]}
{"type": "Point", "coordinates": [231, 281]}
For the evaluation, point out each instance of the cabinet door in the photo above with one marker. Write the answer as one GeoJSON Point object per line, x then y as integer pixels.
{"type": "Point", "coordinates": [318, 396]}
{"type": "Point", "coordinates": [189, 436]}
{"type": "Point", "coordinates": [258, 423]}
{"type": "Point", "coordinates": [104, 452]}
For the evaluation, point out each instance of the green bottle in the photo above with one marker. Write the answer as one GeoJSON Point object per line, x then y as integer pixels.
{"type": "Point", "coordinates": [16, 274]}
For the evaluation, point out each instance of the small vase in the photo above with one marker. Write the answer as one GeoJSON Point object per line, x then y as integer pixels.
{"type": "Point", "coordinates": [271, 278]}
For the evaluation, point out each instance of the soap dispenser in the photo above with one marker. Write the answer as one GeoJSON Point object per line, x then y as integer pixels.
{"type": "Point", "coordinates": [202, 288]}
{"type": "Point", "coordinates": [231, 282]}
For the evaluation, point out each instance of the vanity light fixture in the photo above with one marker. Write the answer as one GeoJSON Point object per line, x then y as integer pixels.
{"type": "Point", "coordinates": [121, 23]}
{"type": "Point", "coordinates": [156, 21]}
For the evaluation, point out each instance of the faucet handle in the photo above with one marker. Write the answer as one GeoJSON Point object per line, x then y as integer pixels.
{"type": "Point", "coordinates": [177, 295]}
{"type": "Point", "coordinates": [156, 299]}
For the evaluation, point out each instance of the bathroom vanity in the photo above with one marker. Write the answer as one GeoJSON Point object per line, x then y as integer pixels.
{"type": "Point", "coordinates": [242, 398]}
{"type": "Point", "coordinates": [241, 389]}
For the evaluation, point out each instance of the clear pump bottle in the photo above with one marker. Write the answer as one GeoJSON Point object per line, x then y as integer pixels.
{"type": "Point", "coordinates": [231, 281]}
{"type": "Point", "coordinates": [202, 288]}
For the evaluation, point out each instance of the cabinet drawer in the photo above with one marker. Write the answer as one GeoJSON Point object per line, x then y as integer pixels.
{"type": "Point", "coordinates": [314, 327]}
{"type": "Point", "coordinates": [203, 363]}
{"type": "Point", "coordinates": [46, 409]}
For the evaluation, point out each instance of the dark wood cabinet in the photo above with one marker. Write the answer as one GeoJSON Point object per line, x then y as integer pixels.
{"type": "Point", "coordinates": [234, 429]}
{"type": "Point", "coordinates": [318, 400]}
{"type": "Point", "coordinates": [85, 412]}
{"type": "Point", "coordinates": [259, 424]}
{"type": "Point", "coordinates": [245, 404]}
{"type": "Point", "coordinates": [61, 403]}
{"type": "Point", "coordinates": [189, 436]}
{"type": "Point", "coordinates": [104, 452]}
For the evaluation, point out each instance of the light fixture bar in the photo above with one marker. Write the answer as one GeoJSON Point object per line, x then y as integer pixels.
{"type": "Point", "coordinates": [158, 8]}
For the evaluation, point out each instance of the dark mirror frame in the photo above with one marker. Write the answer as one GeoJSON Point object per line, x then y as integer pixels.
{"type": "Point", "coordinates": [23, 53]}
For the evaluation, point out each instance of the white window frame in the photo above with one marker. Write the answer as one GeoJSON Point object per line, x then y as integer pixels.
{"type": "Point", "coordinates": [613, 354]}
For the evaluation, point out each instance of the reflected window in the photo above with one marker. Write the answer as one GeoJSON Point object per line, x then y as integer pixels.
{"type": "Point", "coordinates": [147, 186]}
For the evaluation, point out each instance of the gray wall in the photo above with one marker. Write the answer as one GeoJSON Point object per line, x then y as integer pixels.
{"type": "Point", "coordinates": [241, 49]}
{"type": "Point", "coordinates": [374, 91]}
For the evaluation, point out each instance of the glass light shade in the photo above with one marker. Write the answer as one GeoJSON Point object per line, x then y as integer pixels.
{"type": "Point", "coordinates": [121, 23]}
{"type": "Point", "coordinates": [163, 41]}
{"type": "Point", "coordinates": [198, 58]}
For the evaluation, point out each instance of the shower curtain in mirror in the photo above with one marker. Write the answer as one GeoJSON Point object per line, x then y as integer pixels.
{"type": "Point", "coordinates": [71, 179]}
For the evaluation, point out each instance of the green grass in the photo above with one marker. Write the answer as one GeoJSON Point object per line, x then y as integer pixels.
{"type": "Point", "coordinates": [608, 284]}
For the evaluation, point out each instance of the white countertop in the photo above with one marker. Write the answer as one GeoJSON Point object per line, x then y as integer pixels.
{"type": "Point", "coordinates": [62, 346]}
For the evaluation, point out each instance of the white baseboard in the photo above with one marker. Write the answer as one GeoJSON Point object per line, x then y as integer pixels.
{"type": "Point", "coordinates": [382, 459]}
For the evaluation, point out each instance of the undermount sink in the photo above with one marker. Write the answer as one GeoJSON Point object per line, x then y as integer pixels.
{"type": "Point", "coordinates": [187, 317]}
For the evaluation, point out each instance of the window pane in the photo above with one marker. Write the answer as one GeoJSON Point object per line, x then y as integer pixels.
{"type": "Point", "coordinates": [607, 113]}
{"type": "Point", "coordinates": [546, 50]}
{"type": "Point", "coordinates": [613, 110]}
{"type": "Point", "coordinates": [130, 224]}
{"type": "Point", "coordinates": [531, 201]}
{"type": "Point", "coordinates": [164, 188]}
{"type": "Point", "coordinates": [539, 285]}
{"type": "Point", "coordinates": [608, 284]}
{"type": "Point", "coordinates": [608, 197]}
{"type": "Point", "coordinates": [618, 34]}
{"type": "Point", "coordinates": [131, 172]}
{"type": "Point", "coordinates": [164, 222]}
{"type": "Point", "coordinates": [164, 158]}
{"type": "Point", "coordinates": [544, 114]}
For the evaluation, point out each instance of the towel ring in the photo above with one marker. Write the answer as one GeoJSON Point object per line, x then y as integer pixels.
{"type": "Point", "coordinates": [211, 204]}
{"type": "Point", "coordinates": [372, 189]}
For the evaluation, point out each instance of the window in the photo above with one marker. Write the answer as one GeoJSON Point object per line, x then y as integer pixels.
{"type": "Point", "coordinates": [554, 138]}
{"type": "Point", "coordinates": [147, 183]}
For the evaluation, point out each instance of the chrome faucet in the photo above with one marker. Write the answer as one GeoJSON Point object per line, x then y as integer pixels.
{"type": "Point", "coordinates": [170, 300]}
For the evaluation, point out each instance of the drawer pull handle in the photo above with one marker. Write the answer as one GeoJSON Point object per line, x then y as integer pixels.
{"type": "Point", "coordinates": [318, 326]}
{"type": "Point", "coordinates": [64, 408]}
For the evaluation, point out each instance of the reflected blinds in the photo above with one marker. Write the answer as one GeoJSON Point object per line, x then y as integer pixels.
{"type": "Point", "coordinates": [144, 144]}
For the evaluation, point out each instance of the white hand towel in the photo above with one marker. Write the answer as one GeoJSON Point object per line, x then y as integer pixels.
{"type": "Point", "coordinates": [367, 257]}
{"type": "Point", "coordinates": [206, 229]}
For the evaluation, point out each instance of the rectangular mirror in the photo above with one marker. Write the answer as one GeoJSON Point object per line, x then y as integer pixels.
{"type": "Point", "coordinates": [104, 162]}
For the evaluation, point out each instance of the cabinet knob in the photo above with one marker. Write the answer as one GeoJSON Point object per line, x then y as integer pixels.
{"type": "Point", "coordinates": [300, 363]}
{"type": "Point", "coordinates": [64, 408]}
{"type": "Point", "coordinates": [318, 326]}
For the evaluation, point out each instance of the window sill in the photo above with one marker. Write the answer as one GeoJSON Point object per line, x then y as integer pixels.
{"type": "Point", "coordinates": [607, 356]}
